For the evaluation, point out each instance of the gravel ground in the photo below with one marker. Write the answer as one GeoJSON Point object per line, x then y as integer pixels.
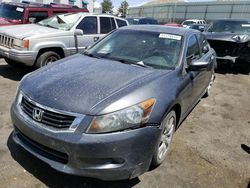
{"type": "Point", "coordinates": [208, 150]}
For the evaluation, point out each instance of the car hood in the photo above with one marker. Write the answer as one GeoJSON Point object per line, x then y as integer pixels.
{"type": "Point", "coordinates": [79, 83]}
{"type": "Point", "coordinates": [28, 30]}
{"type": "Point", "coordinates": [224, 36]}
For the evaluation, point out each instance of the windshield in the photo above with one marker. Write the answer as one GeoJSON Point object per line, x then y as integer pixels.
{"type": "Point", "coordinates": [153, 49]}
{"type": "Point", "coordinates": [188, 22]}
{"type": "Point", "coordinates": [62, 22]}
{"type": "Point", "coordinates": [11, 12]}
{"type": "Point", "coordinates": [230, 26]}
{"type": "Point", "coordinates": [133, 21]}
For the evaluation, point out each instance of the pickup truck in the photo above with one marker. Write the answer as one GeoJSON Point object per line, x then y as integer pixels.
{"type": "Point", "coordinates": [54, 38]}
{"type": "Point", "coordinates": [30, 12]}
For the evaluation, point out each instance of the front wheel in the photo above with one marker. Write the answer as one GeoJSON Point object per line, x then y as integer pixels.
{"type": "Point", "coordinates": [47, 58]}
{"type": "Point", "coordinates": [168, 127]}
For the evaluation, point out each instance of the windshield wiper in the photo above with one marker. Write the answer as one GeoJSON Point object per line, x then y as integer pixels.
{"type": "Point", "coordinates": [91, 55]}
{"type": "Point", "coordinates": [131, 62]}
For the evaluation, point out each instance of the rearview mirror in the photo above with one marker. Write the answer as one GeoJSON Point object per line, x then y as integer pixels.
{"type": "Point", "coordinates": [32, 20]}
{"type": "Point", "coordinates": [78, 32]}
{"type": "Point", "coordinates": [197, 66]}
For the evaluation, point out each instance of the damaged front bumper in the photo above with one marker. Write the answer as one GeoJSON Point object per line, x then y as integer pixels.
{"type": "Point", "coordinates": [111, 156]}
{"type": "Point", "coordinates": [230, 50]}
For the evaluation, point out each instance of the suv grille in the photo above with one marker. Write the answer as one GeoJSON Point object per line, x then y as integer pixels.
{"type": "Point", "coordinates": [6, 41]}
{"type": "Point", "coordinates": [44, 116]}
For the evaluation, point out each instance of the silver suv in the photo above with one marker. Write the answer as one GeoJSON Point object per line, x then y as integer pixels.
{"type": "Point", "coordinates": [54, 38]}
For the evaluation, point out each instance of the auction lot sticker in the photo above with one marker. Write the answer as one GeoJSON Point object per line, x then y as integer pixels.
{"type": "Point", "coordinates": [169, 36]}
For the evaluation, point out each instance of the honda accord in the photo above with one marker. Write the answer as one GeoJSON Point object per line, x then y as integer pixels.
{"type": "Point", "coordinates": [111, 112]}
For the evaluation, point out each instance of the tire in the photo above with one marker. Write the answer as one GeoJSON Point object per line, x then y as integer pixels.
{"type": "Point", "coordinates": [207, 93]}
{"type": "Point", "coordinates": [47, 58]}
{"type": "Point", "coordinates": [168, 126]}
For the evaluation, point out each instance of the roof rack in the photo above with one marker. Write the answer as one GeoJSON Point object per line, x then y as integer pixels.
{"type": "Point", "coordinates": [33, 3]}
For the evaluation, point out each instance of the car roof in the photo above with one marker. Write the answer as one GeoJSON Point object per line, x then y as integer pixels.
{"type": "Point", "coordinates": [194, 20]}
{"type": "Point", "coordinates": [142, 18]}
{"type": "Point", "coordinates": [159, 28]}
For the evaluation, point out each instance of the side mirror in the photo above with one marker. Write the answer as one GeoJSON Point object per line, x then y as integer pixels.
{"type": "Point", "coordinates": [78, 32]}
{"type": "Point", "coordinates": [205, 49]}
{"type": "Point", "coordinates": [197, 66]}
{"type": "Point", "coordinates": [32, 20]}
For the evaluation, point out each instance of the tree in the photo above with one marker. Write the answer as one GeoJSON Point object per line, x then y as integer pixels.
{"type": "Point", "coordinates": [107, 6]}
{"type": "Point", "coordinates": [123, 8]}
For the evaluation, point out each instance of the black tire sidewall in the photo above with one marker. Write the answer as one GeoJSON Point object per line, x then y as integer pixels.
{"type": "Point", "coordinates": [155, 160]}
{"type": "Point", "coordinates": [42, 58]}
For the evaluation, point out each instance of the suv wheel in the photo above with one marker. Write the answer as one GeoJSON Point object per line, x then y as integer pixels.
{"type": "Point", "coordinates": [47, 58]}
{"type": "Point", "coordinates": [168, 127]}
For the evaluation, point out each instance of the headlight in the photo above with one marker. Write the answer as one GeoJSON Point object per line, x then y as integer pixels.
{"type": "Point", "coordinates": [131, 117]}
{"type": "Point", "coordinates": [240, 38]}
{"type": "Point", "coordinates": [21, 43]}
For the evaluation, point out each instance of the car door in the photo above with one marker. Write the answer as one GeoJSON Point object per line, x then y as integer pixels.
{"type": "Point", "coordinates": [89, 26]}
{"type": "Point", "coordinates": [206, 56]}
{"type": "Point", "coordinates": [194, 54]}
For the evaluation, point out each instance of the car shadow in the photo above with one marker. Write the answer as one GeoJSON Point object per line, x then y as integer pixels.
{"type": "Point", "coordinates": [229, 68]}
{"type": "Point", "coordinates": [12, 73]}
{"type": "Point", "coordinates": [53, 178]}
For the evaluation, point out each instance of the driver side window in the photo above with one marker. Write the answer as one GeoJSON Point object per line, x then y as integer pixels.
{"type": "Point", "coordinates": [193, 50]}
{"type": "Point", "coordinates": [88, 25]}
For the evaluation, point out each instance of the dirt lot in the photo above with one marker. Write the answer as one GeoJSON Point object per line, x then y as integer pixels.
{"type": "Point", "coordinates": [207, 151]}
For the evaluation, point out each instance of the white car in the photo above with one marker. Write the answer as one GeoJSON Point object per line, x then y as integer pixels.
{"type": "Point", "coordinates": [194, 21]}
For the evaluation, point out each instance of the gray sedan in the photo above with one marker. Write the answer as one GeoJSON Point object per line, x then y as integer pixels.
{"type": "Point", "coordinates": [112, 112]}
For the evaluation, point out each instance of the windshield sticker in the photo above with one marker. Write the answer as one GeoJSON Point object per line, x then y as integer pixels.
{"type": "Point", "coordinates": [19, 9]}
{"type": "Point", "coordinates": [168, 36]}
{"type": "Point", "coordinates": [245, 25]}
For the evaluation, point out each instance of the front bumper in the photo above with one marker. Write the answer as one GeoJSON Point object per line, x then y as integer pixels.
{"type": "Point", "coordinates": [111, 156]}
{"type": "Point", "coordinates": [23, 57]}
{"type": "Point", "coordinates": [231, 51]}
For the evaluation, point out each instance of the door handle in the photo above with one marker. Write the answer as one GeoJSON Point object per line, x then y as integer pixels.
{"type": "Point", "coordinates": [96, 39]}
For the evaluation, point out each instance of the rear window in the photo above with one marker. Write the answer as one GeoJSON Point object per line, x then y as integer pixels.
{"type": "Point", "coordinates": [121, 23]}
{"type": "Point", "coordinates": [38, 15]}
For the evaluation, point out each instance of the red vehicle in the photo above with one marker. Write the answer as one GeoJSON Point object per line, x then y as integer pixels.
{"type": "Point", "coordinates": [29, 12]}
{"type": "Point", "coordinates": [173, 24]}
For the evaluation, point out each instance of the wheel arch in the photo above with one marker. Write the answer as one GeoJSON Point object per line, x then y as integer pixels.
{"type": "Point", "coordinates": [58, 50]}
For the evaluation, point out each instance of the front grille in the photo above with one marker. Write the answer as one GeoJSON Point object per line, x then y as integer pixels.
{"type": "Point", "coordinates": [42, 150]}
{"type": "Point", "coordinates": [6, 41]}
{"type": "Point", "coordinates": [49, 118]}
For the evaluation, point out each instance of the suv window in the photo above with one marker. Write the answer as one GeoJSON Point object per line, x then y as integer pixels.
{"type": "Point", "coordinates": [88, 25]}
{"type": "Point", "coordinates": [193, 50]}
{"type": "Point", "coordinates": [38, 15]}
{"type": "Point", "coordinates": [121, 23]}
{"type": "Point", "coordinates": [59, 12]}
{"type": "Point", "coordinates": [107, 24]}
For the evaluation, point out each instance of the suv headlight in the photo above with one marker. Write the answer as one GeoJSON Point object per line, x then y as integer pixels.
{"type": "Point", "coordinates": [21, 43]}
{"type": "Point", "coordinates": [240, 38]}
{"type": "Point", "coordinates": [130, 117]}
